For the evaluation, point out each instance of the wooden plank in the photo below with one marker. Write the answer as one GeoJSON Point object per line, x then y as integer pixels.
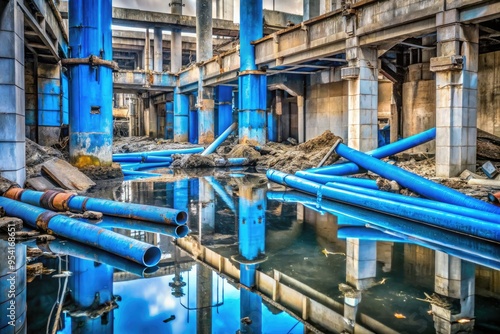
{"type": "Point", "coordinates": [67, 176]}
{"type": "Point", "coordinates": [40, 183]}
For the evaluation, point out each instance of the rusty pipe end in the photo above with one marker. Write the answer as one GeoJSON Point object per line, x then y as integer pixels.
{"type": "Point", "coordinates": [14, 193]}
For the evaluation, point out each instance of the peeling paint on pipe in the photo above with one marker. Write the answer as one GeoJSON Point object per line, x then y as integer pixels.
{"type": "Point", "coordinates": [211, 149]}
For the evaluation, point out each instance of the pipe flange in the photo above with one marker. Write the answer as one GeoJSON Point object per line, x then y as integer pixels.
{"type": "Point", "coordinates": [42, 221]}
{"type": "Point", "coordinates": [46, 200]}
{"type": "Point", "coordinates": [242, 260]}
{"type": "Point", "coordinates": [61, 200]}
{"type": "Point", "coordinates": [14, 193]}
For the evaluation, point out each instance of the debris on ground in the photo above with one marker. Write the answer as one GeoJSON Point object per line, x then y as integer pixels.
{"type": "Point", "coordinates": [36, 155]}
{"type": "Point", "coordinates": [7, 223]}
{"type": "Point", "coordinates": [146, 144]}
{"type": "Point", "coordinates": [67, 176]}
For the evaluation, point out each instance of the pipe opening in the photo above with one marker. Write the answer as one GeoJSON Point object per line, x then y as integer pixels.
{"type": "Point", "coordinates": [181, 231]}
{"type": "Point", "coordinates": [181, 218]}
{"type": "Point", "coordinates": [151, 256]}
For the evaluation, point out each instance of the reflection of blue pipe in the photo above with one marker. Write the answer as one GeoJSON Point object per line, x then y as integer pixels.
{"type": "Point", "coordinates": [441, 219]}
{"type": "Point", "coordinates": [169, 120]}
{"type": "Point", "coordinates": [252, 221]}
{"type": "Point", "coordinates": [149, 165]}
{"type": "Point", "coordinates": [73, 229]}
{"type": "Point", "coordinates": [221, 192]}
{"type": "Point", "coordinates": [321, 178]}
{"type": "Point", "coordinates": [144, 158]}
{"type": "Point", "coordinates": [181, 194]}
{"type": "Point", "coordinates": [138, 174]}
{"type": "Point", "coordinates": [107, 207]}
{"type": "Point", "coordinates": [423, 233]}
{"type": "Point", "coordinates": [414, 182]}
{"type": "Point", "coordinates": [189, 150]}
{"type": "Point", "coordinates": [176, 231]}
{"type": "Point", "coordinates": [181, 116]}
{"type": "Point", "coordinates": [422, 202]}
{"type": "Point", "coordinates": [224, 107]}
{"type": "Point", "coordinates": [252, 84]}
{"type": "Point", "coordinates": [212, 147]}
{"type": "Point", "coordinates": [91, 85]}
{"type": "Point", "coordinates": [366, 233]}
{"type": "Point", "coordinates": [85, 252]}
{"type": "Point", "coordinates": [379, 153]}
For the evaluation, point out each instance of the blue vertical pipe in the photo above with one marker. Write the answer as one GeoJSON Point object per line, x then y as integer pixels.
{"type": "Point", "coordinates": [414, 182]}
{"type": "Point", "coordinates": [91, 284]}
{"type": "Point", "coordinates": [224, 108]}
{"type": "Point", "coordinates": [252, 84]}
{"type": "Point", "coordinates": [181, 195]}
{"type": "Point", "coordinates": [91, 87]}
{"type": "Point", "coordinates": [181, 116]}
{"type": "Point", "coordinates": [169, 120]}
{"type": "Point", "coordinates": [193, 121]}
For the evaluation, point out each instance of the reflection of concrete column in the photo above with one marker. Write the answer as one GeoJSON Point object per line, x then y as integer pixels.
{"type": "Point", "coordinates": [204, 300]}
{"type": "Point", "coordinates": [206, 210]}
{"type": "Point", "coordinates": [455, 278]}
{"type": "Point", "coordinates": [311, 9]}
{"type": "Point", "coordinates": [91, 285]}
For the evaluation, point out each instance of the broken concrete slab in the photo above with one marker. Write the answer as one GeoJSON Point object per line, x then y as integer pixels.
{"type": "Point", "coordinates": [67, 176]}
{"type": "Point", "coordinates": [40, 183]}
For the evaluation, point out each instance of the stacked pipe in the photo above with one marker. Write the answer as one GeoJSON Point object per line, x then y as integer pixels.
{"type": "Point", "coordinates": [450, 209]}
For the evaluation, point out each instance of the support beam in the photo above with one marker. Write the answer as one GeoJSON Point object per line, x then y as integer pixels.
{"type": "Point", "coordinates": [12, 109]}
{"type": "Point", "coordinates": [91, 87]}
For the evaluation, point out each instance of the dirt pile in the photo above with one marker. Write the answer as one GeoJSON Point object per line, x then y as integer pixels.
{"type": "Point", "coordinates": [145, 144]}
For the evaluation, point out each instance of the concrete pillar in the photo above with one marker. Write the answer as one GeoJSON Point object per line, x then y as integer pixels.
{"type": "Point", "coordinates": [224, 9]}
{"type": "Point", "coordinates": [456, 67]}
{"type": "Point", "coordinates": [158, 49]}
{"type": "Point", "coordinates": [204, 51]}
{"type": "Point", "coordinates": [362, 74]}
{"type": "Point", "coordinates": [311, 9]}
{"type": "Point", "coordinates": [176, 40]}
{"type": "Point", "coordinates": [301, 119]}
{"type": "Point", "coordinates": [169, 124]}
{"type": "Point", "coordinates": [12, 113]}
{"type": "Point", "coordinates": [455, 278]}
{"type": "Point", "coordinates": [91, 87]}
{"type": "Point", "coordinates": [153, 120]}
{"type": "Point", "coordinates": [206, 209]}
{"type": "Point", "coordinates": [203, 300]}
{"type": "Point", "coordinates": [49, 104]}
{"type": "Point", "coordinates": [147, 58]}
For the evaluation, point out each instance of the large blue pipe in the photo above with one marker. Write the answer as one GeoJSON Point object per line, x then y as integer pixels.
{"type": "Point", "coordinates": [138, 174]}
{"type": "Point", "coordinates": [169, 120]}
{"type": "Point", "coordinates": [422, 202]}
{"type": "Point", "coordinates": [176, 231]}
{"type": "Point", "coordinates": [252, 83]}
{"type": "Point", "coordinates": [164, 153]}
{"type": "Point", "coordinates": [213, 146]}
{"type": "Point", "coordinates": [221, 162]}
{"type": "Point", "coordinates": [366, 233]}
{"type": "Point", "coordinates": [85, 252]}
{"type": "Point", "coordinates": [414, 182]}
{"type": "Point", "coordinates": [91, 86]}
{"type": "Point", "coordinates": [65, 201]}
{"type": "Point", "coordinates": [391, 225]}
{"type": "Point", "coordinates": [181, 116]}
{"type": "Point", "coordinates": [144, 158]}
{"type": "Point", "coordinates": [433, 217]}
{"type": "Point", "coordinates": [379, 153]}
{"type": "Point", "coordinates": [224, 108]}
{"type": "Point", "coordinates": [193, 121]}
{"type": "Point", "coordinates": [321, 178]}
{"type": "Point", "coordinates": [73, 229]}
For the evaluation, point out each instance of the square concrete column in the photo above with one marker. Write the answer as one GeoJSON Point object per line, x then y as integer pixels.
{"type": "Point", "coordinates": [362, 75]}
{"type": "Point", "coordinates": [361, 263]}
{"type": "Point", "coordinates": [12, 111]}
{"type": "Point", "coordinates": [456, 67]}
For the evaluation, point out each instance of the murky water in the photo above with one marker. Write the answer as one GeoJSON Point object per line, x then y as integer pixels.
{"type": "Point", "coordinates": [258, 265]}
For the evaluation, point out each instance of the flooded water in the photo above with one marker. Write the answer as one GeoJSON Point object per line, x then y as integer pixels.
{"type": "Point", "coordinates": [262, 260]}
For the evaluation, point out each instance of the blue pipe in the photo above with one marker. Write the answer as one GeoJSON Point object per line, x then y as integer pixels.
{"type": "Point", "coordinates": [392, 225]}
{"type": "Point", "coordinates": [221, 192]}
{"type": "Point", "coordinates": [321, 178]}
{"type": "Point", "coordinates": [149, 165]}
{"type": "Point", "coordinates": [414, 182]}
{"type": "Point", "coordinates": [193, 122]}
{"type": "Point", "coordinates": [251, 83]}
{"type": "Point", "coordinates": [144, 158]}
{"type": "Point", "coordinates": [176, 231]}
{"type": "Point", "coordinates": [437, 218]}
{"type": "Point", "coordinates": [73, 229]}
{"type": "Point", "coordinates": [181, 116]}
{"type": "Point", "coordinates": [212, 147]}
{"type": "Point", "coordinates": [141, 174]}
{"type": "Point", "coordinates": [190, 150]}
{"type": "Point", "coordinates": [379, 153]}
{"type": "Point", "coordinates": [422, 202]}
{"type": "Point", "coordinates": [224, 108]}
{"type": "Point", "coordinates": [107, 207]}
{"type": "Point", "coordinates": [367, 233]}
{"type": "Point", "coordinates": [181, 195]}
{"type": "Point", "coordinates": [90, 86]}
{"type": "Point", "coordinates": [220, 162]}
{"type": "Point", "coordinates": [85, 252]}
{"type": "Point", "coordinates": [169, 120]}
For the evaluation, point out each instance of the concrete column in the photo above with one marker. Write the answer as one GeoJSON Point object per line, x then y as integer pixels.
{"type": "Point", "coordinates": [12, 107]}
{"type": "Point", "coordinates": [158, 49]}
{"type": "Point", "coordinates": [301, 119]}
{"type": "Point", "coordinates": [362, 73]}
{"type": "Point", "coordinates": [49, 104]}
{"type": "Point", "coordinates": [169, 117]}
{"type": "Point", "coordinates": [456, 67]}
{"type": "Point", "coordinates": [455, 279]}
{"type": "Point", "coordinates": [147, 58]}
{"type": "Point", "coordinates": [204, 51]}
{"type": "Point", "coordinates": [203, 300]}
{"type": "Point", "coordinates": [206, 209]}
{"type": "Point", "coordinates": [153, 120]}
{"type": "Point", "coordinates": [176, 40]}
{"type": "Point", "coordinates": [311, 9]}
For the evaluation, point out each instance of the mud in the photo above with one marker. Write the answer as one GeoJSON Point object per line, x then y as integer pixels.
{"type": "Point", "coordinates": [103, 172]}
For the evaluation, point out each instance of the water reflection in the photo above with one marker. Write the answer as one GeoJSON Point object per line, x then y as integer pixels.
{"type": "Point", "coordinates": [259, 261]}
